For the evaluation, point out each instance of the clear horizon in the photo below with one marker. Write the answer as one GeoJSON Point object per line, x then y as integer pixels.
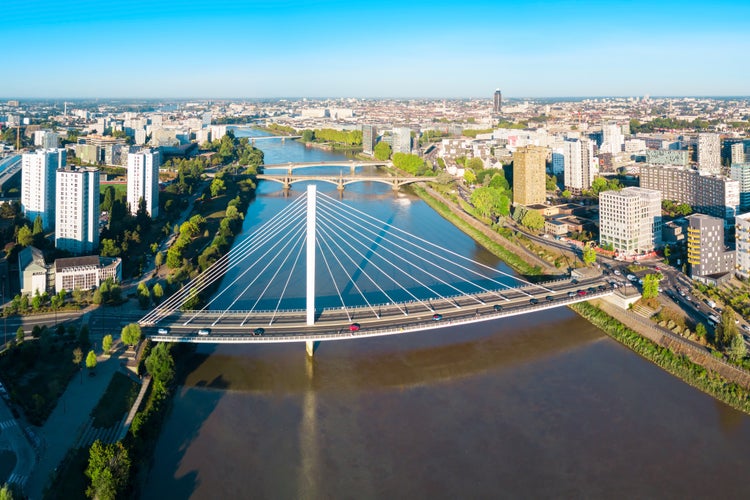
{"type": "Point", "coordinates": [276, 49]}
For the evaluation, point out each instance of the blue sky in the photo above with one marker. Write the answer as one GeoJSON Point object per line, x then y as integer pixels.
{"type": "Point", "coordinates": [219, 48]}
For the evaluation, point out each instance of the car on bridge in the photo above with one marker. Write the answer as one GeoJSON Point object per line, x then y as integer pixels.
{"type": "Point", "coordinates": [204, 331]}
{"type": "Point", "coordinates": [571, 294]}
{"type": "Point", "coordinates": [259, 331]}
{"type": "Point", "coordinates": [437, 317]}
{"type": "Point", "coordinates": [163, 331]}
{"type": "Point", "coordinates": [533, 301]}
{"type": "Point", "coordinates": [354, 327]}
{"type": "Point", "coordinates": [549, 298]}
{"type": "Point", "coordinates": [497, 307]}
{"type": "Point", "coordinates": [581, 292]}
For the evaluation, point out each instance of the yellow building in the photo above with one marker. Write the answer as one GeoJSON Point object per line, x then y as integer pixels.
{"type": "Point", "coordinates": [529, 180]}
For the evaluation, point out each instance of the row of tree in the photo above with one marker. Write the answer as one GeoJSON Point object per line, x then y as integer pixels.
{"type": "Point", "coordinates": [348, 137]}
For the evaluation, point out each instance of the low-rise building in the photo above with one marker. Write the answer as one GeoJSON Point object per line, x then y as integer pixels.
{"type": "Point", "coordinates": [86, 272]}
{"type": "Point", "coordinates": [33, 271]}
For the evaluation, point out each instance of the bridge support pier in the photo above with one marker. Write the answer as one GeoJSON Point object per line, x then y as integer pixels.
{"type": "Point", "coordinates": [310, 346]}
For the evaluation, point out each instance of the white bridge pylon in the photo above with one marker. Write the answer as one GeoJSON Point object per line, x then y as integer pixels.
{"type": "Point", "coordinates": [354, 263]}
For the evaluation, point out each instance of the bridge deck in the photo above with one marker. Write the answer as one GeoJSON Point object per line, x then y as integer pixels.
{"type": "Point", "coordinates": [333, 324]}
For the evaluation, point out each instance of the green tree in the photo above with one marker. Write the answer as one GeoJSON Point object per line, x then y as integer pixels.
{"type": "Point", "coordinates": [499, 181]}
{"type": "Point", "coordinates": [469, 176]}
{"type": "Point", "coordinates": [144, 295]}
{"type": "Point", "coordinates": [408, 163]}
{"type": "Point", "coordinates": [159, 259]}
{"type": "Point", "coordinates": [476, 164]}
{"type": "Point", "coordinates": [533, 220]}
{"type": "Point", "coordinates": [727, 329]}
{"type": "Point", "coordinates": [551, 183]}
{"type": "Point", "coordinates": [700, 331]}
{"type": "Point", "coordinates": [651, 285]}
{"type": "Point", "coordinates": [487, 201]}
{"type": "Point", "coordinates": [160, 365]}
{"type": "Point", "coordinates": [589, 255]}
{"type": "Point", "coordinates": [737, 348]}
{"type": "Point", "coordinates": [38, 226]}
{"type": "Point", "coordinates": [567, 194]}
{"type": "Point", "coordinates": [25, 236]}
{"type": "Point", "coordinates": [91, 360]}
{"type": "Point", "coordinates": [131, 334]}
{"type": "Point", "coordinates": [20, 334]}
{"type": "Point", "coordinates": [382, 151]}
{"type": "Point", "coordinates": [308, 136]}
{"type": "Point", "coordinates": [158, 292]}
{"type": "Point", "coordinates": [218, 186]}
{"type": "Point", "coordinates": [107, 343]}
{"type": "Point", "coordinates": [108, 470]}
{"type": "Point", "coordinates": [6, 492]}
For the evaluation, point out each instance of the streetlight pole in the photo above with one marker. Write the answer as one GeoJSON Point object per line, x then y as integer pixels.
{"type": "Point", "coordinates": [5, 316]}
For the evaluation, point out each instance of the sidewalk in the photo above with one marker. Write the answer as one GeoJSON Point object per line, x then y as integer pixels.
{"type": "Point", "coordinates": [64, 427]}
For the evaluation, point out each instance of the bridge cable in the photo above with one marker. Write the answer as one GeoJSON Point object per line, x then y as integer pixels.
{"type": "Point", "coordinates": [333, 280]}
{"type": "Point", "coordinates": [283, 291]}
{"type": "Point", "coordinates": [215, 271]}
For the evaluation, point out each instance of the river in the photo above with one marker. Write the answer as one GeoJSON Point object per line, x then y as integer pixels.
{"type": "Point", "coordinates": [539, 405]}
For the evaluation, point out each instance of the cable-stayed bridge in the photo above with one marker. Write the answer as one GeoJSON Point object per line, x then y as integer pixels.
{"type": "Point", "coordinates": [359, 277]}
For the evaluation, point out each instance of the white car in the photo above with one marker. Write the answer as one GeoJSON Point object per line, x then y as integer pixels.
{"type": "Point", "coordinates": [631, 277]}
{"type": "Point", "coordinates": [617, 273]}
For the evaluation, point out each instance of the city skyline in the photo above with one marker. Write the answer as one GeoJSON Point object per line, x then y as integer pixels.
{"type": "Point", "coordinates": [266, 49]}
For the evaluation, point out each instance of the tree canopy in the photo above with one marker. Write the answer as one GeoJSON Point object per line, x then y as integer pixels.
{"type": "Point", "coordinates": [382, 151]}
{"type": "Point", "coordinates": [108, 470]}
{"type": "Point", "coordinates": [131, 334]}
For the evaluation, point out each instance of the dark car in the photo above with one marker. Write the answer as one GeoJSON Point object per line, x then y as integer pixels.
{"type": "Point", "coordinates": [592, 290]}
{"type": "Point", "coordinates": [437, 317]}
{"type": "Point", "coordinates": [498, 307]}
{"type": "Point", "coordinates": [259, 331]}
{"type": "Point", "coordinates": [533, 301]}
{"type": "Point", "coordinates": [549, 298]}
{"type": "Point", "coordinates": [574, 281]}
{"type": "Point", "coordinates": [354, 327]}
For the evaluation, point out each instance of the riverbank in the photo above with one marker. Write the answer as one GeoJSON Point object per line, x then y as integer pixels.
{"type": "Point", "coordinates": [724, 383]}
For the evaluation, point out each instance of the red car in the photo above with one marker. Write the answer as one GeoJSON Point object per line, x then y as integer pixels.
{"type": "Point", "coordinates": [354, 327]}
{"type": "Point", "coordinates": [581, 292]}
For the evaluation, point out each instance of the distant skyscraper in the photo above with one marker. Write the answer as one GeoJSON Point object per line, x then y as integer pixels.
{"type": "Point", "coordinates": [38, 184]}
{"type": "Point", "coordinates": [369, 137]}
{"type": "Point", "coordinates": [77, 210]}
{"type": "Point", "coordinates": [401, 140]}
{"type": "Point", "coordinates": [143, 181]}
{"type": "Point", "coordinates": [580, 166]}
{"type": "Point", "coordinates": [709, 153]}
{"type": "Point", "coordinates": [497, 102]}
{"type": "Point", "coordinates": [529, 182]}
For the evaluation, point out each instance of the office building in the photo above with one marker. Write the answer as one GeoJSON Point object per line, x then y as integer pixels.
{"type": "Point", "coordinates": [708, 257]}
{"type": "Point", "coordinates": [143, 181]}
{"type": "Point", "coordinates": [369, 138]}
{"type": "Point", "coordinates": [529, 177]}
{"type": "Point", "coordinates": [580, 166]}
{"type": "Point", "coordinates": [742, 245]}
{"type": "Point", "coordinates": [401, 140]}
{"type": "Point", "coordinates": [713, 195]}
{"type": "Point", "coordinates": [38, 184]}
{"type": "Point", "coordinates": [738, 153]}
{"type": "Point", "coordinates": [86, 272]}
{"type": "Point", "coordinates": [630, 220]}
{"type": "Point", "coordinates": [709, 153]}
{"type": "Point", "coordinates": [497, 102]}
{"type": "Point", "coordinates": [77, 210]}
{"type": "Point", "coordinates": [740, 172]}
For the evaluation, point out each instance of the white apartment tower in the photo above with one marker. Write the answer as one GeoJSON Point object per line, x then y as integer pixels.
{"type": "Point", "coordinates": [612, 139]}
{"type": "Point", "coordinates": [738, 153]}
{"type": "Point", "coordinates": [77, 212]}
{"type": "Point", "coordinates": [742, 239]}
{"type": "Point", "coordinates": [143, 181]}
{"type": "Point", "coordinates": [580, 166]}
{"type": "Point", "coordinates": [402, 140]}
{"type": "Point", "coordinates": [38, 184]}
{"type": "Point", "coordinates": [709, 153]}
{"type": "Point", "coordinates": [630, 220]}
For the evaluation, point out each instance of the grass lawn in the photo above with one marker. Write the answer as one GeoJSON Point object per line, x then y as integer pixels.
{"type": "Point", "coordinates": [120, 189]}
{"type": "Point", "coordinates": [116, 402]}
{"type": "Point", "coordinates": [71, 482]}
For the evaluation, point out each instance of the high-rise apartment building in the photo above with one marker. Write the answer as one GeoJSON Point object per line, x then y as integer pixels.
{"type": "Point", "coordinates": [38, 184]}
{"type": "Point", "coordinates": [497, 102]}
{"type": "Point", "coordinates": [612, 139]}
{"type": "Point", "coordinates": [707, 255]}
{"type": "Point", "coordinates": [401, 140]}
{"type": "Point", "coordinates": [46, 139]}
{"type": "Point", "coordinates": [630, 220]}
{"type": "Point", "coordinates": [580, 167]}
{"type": "Point", "coordinates": [742, 245]}
{"type": "Point", "coordinates": [709, 153]}
{"type": "Point", "coordinates": [738, 153]}
{"type": "Point", "coordinates": [369, 138]}
{"type": "Point", "coordinates": [740, 172]}
{"type": "Point", "coordinates": [77, 211]}
{"type": "Point", "coordinates": [529, 180]}
{"type": "Point", "coordinates": [708, 194]}
{"type": "Point", "coordinates": [143, 181]}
